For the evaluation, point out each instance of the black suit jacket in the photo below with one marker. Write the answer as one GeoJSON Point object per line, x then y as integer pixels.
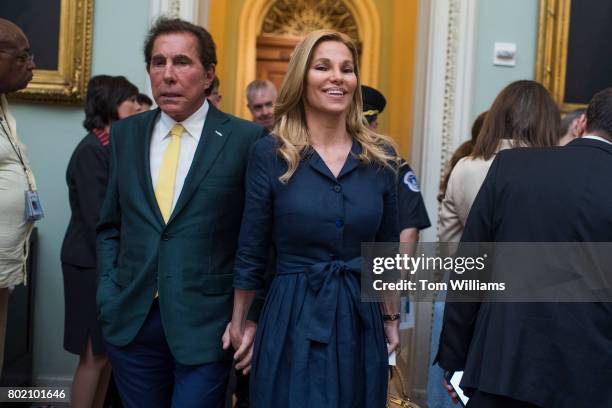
{"type": "Point", "coordinates": [550, 354]}
{"type": "Point", "coordinates": [87, 177]}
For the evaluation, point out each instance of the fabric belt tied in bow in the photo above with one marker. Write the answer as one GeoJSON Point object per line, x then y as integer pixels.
{"type": "Point", "coordinates": [325, 278]}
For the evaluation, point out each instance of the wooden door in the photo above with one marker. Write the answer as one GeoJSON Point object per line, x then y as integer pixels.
{"type": "Point", "coordinates": [273, 54]}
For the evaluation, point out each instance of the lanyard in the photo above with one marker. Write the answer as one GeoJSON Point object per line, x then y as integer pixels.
{"type": "Point", "coordinates": [7, 131]}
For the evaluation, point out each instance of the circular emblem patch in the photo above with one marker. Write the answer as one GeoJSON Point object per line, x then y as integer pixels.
{"type": "Point", "coordinates": [411, 181]}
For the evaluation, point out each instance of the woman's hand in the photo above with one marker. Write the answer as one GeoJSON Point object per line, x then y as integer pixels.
{"type": "Point", "coordinates": [392, 336]}
{"type": "Point", "coordinates": [240, 337]}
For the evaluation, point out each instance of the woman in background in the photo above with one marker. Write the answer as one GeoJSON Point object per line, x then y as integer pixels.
{"type": "Point", "coordinates": [322, 184]}
{"type": "Point", "coordinates": [108, 99]}
{"type": "Point", "coordinates": [523, 115]}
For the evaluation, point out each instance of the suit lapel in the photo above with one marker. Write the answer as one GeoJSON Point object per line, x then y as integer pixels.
{"type": "Point", "coordinates": [145, 166]}
{"type": "Point", "coordinates": [214, 137]}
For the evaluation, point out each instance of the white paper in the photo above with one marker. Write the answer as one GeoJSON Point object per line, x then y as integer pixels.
{"type": "Point", "coordinates": [455, 380]}
{"type": "Point", "coordinates": [392, 358]}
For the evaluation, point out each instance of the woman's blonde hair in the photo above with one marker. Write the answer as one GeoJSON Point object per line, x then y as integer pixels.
{"type": "Point", "coordinates": [290, 127]}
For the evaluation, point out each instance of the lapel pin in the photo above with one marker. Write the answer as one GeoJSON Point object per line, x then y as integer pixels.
{"type": "Point", "coordinates": [219, 133]}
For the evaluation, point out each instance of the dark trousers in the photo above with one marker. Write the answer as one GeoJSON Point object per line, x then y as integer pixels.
{"type": "Point", "coordinates": [147, 375]}
{"type": "Point", "coordinates": [484, 400]}
{"type": "Point", "coordinates": [242, 390]}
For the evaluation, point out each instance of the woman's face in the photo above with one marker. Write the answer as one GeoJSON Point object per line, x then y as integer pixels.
{"type": "Point", "coordinates": [128, 107]}
{"type": "Point", "coordinates": [330, 79]}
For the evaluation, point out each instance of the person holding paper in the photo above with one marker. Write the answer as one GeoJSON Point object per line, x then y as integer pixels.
{"type": "Point", "coordinates": [544, 354]}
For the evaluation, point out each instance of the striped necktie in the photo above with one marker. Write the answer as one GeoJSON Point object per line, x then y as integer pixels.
{"type": "Point", "coordinates": [164, 191]}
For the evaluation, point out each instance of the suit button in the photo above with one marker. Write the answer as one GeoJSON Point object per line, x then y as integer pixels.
{"type": "Point", "coordinates": [337, 189]}
{"type": "Point", "coordinates": [165, 237]}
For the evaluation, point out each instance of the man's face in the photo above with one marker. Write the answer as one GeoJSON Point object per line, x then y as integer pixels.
{"type": "Point", "coordinates": [178, 79]}
{"type": "Point", "coordinates": [262, 107]}
{"type": "Point", "coordinates": [16, 64]}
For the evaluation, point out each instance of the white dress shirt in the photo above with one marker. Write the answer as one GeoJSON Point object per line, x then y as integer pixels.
{"type": "Point", "coordinates": [601, 139]}
{"type": "Point", "coordinates": [189, 142]}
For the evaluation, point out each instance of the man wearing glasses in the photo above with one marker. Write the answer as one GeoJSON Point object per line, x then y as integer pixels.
{"type": "Point", "coordinates": [16, 179]}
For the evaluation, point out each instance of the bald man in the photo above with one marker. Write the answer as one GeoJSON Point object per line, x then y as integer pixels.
{"type": "Point", "coordinates": [16, 65]}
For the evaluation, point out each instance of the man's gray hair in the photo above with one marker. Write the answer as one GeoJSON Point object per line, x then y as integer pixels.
{"type": "Point", "coordinates": [569, 118]}
{"type": "Point", "coordinates": [259, 85]}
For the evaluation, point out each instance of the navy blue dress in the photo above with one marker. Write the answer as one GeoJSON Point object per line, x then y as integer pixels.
{"type": "Point", "coordinates": [317, 344]}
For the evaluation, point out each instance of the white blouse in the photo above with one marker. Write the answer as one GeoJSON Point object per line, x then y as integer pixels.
{"type": "Point", "coordinates": [463, 186]}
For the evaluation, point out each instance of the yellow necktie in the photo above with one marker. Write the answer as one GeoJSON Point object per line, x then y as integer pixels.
{"type": "Point", "coordinates": [164, 191]}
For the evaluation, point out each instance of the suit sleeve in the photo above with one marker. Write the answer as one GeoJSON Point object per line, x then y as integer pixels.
{"type": "Point", "coordinates": [256, 229]}
{"type": "Point", "coordinates": [91, 178]}
{"type": "Point", "coordinates": [108, 233]}
{"type": "Point", "coordinates": [460, 317]}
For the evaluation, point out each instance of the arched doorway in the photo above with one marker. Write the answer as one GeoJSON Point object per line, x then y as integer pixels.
{"type": "Point", "coordinates": [387, 33]}
{"type": "Point", "coordinates": [287, 22]}
{"type": "Point", "coordinates": [251, 26]}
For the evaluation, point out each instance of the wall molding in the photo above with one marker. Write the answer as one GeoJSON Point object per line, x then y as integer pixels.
{"type": "Point", "coordinates": [185, 9]}
{"type": "Point", "coordinates": [448, 94]}
{"type": "Point", "coordinates": [442, 108]}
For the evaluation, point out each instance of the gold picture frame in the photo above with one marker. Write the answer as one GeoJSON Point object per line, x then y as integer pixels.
{"type": "Point", "coordinates": [553, 40]}
{"type": "Point", "coordinates": [573, 59]}
{"type": "Point", "coordinates": [67, 83]}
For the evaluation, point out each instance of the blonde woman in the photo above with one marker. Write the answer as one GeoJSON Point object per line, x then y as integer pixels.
{"type": "Point", "coordinates": [322, 184]}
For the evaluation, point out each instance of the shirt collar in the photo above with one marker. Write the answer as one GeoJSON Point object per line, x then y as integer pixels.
{"type": "Point", "coordinates": [596, 138]}
{"type": "Point", "coordinates": [193, 124]}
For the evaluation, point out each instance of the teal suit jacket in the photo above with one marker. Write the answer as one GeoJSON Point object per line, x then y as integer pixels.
{"type": "Point", "coordinates": [190, 259]}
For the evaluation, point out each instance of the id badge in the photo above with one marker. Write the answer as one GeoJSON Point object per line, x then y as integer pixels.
{"type": "Point", "coordinates": [34, 210]}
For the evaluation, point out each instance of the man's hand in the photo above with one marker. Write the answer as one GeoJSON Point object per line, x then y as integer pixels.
{"type": "Point", "coordinates": [451, 392]}
{"type": "Point", "coordinates": [241, 339]}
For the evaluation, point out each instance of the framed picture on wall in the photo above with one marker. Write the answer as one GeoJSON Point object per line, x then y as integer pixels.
{"type": "Point", "coordinates": [60, 33]}
{"type": "Point", "coordinates": [574, 60]}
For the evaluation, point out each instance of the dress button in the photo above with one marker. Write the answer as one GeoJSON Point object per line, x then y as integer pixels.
{"type": "Point", "coordinates": [340, 223]}
{"type": "Point", "coordinates": [165, 237]}
{"type": "Point", "coordinates": [337, 189]}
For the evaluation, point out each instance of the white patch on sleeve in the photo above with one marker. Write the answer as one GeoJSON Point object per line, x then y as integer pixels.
{"type": "Point", "coordinates": [411, 181]}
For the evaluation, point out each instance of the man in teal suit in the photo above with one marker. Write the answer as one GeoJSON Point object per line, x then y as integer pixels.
{"type": "Point", "coordinates": [168, 230]}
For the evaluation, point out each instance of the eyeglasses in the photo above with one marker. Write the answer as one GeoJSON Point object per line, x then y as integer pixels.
{"type": "Point", "coordinates": [24, 57]}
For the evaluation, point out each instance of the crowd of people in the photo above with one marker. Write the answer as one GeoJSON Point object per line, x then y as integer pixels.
{"type": "Point", "coordinates": [204, 249]}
